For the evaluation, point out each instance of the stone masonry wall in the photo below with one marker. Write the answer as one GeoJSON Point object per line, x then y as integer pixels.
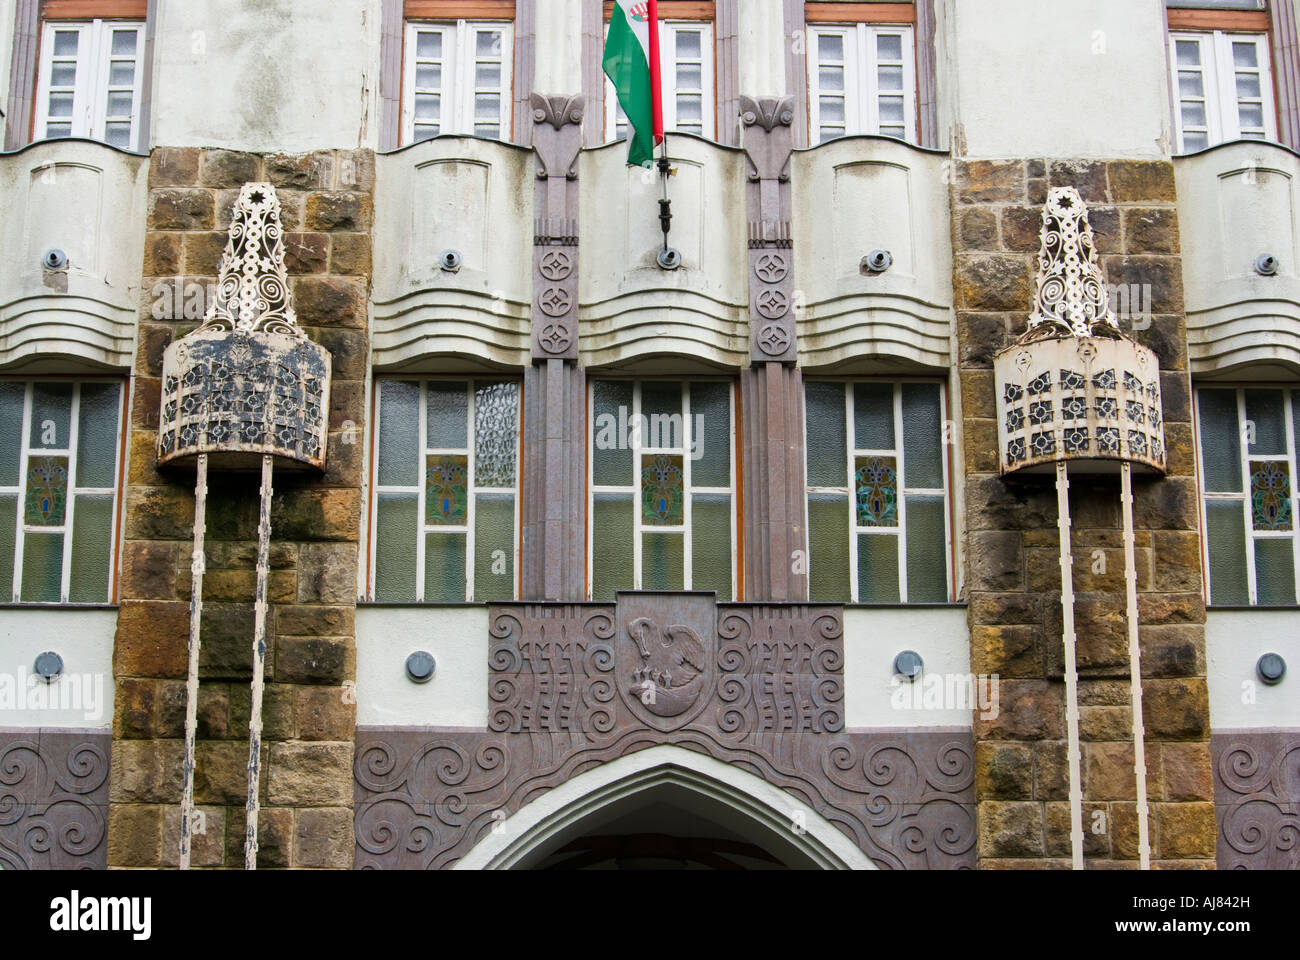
{"type": "Point", "coordinates": [1013, 574]}
{"type": "Point", "coordinates": [309, 711]}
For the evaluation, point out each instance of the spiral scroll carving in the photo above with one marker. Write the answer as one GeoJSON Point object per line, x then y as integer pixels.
{"type": "Point", "coordinates": [53, 800]}
{"type": "Point", "coordinates": [1257, 799]}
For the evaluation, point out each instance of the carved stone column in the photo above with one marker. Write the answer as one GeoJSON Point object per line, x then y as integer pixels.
{"type": "Point", "coordinates": [772, 389]}
{"type": "Point", "coordinates": [554, 505]}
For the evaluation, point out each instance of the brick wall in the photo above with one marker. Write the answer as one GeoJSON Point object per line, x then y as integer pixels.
{"type": "Point", "coordinates": [309, 712]}
{"type": "Point", "coordinates": [1013, 574]}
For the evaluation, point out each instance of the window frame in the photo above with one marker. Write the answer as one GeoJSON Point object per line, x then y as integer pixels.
{"type": "Point", "coordinates": [1222, 104]}
{"type": "Point", "coordinates": [424, 451]}
{"type": "Point", "coordinates": [1204, 497]}
{"type": "Point", "coordinates": [637, 449]}
{"type": "Point", "coordinates": [862, 101]}
{"type": "Point", "coordinates": [74, 491]}
{"type": "Point", "coordinates": [849, 493]}
{"type": "Point", "coordinates": [458, 84]}
{"type": "Point", "coordinates": [668, 68]}
{"type": "Point", "coordinates": [92, 87]}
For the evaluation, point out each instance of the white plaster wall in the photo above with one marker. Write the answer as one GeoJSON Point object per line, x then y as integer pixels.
{"type": "Point", "coordinates": [874, 636]}
{"type": "Point", "coordinates": [283, 75]}
{"type": "Point", "coordinates": [558, 49]}
{"type": "Point", "coordinates": [458, 639]}
{"type": "Point", "coordinates": [761, 35]}
{"type": "Point", "coordinates": [1234, 641]}
{"type": "Point", "coordinates": [1065, 78]}
{"type": "Point", "coordinates": [84, 639]}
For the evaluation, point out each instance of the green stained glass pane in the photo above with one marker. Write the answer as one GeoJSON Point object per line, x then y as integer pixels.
{"type": "Point", "coordinates": [444, 568]}
{"type": "Point", "coordinates": [827, 442]}
{"type": "Point", "coordinates": [1274, 571]}
{"type": "Point", "coordinates": [922, 436]}
{"type": "Point", "coordinates": [828, 547]}
{"type": "Point", "coordinates": [51, 415]}
{"type": "Point", "coordinates": [1266, 422]}
{"type": "Point", "coordinates": [92, 549]}
{"type": "Point", "coordinates": [661, 561]}
{"type": "Point", "coordinates": [927, 551]}
{"type": "Point", "coordinates": [42, 567]}
{"type": "Point", "coordinates": [11, 434]}
{"type": "Point", "coordinates": [611, 453]}
{"type": "Point", "coordinates": [875, 482]}
{"type": "Point", "coordinates": [711, 543]}
{"type": "Point", "coordinates": [710, 434]}
{"type": "Point", "coordinates": [1225, 533]}
{"type": "Point", "coordinates": [399, 433]}
{"type": "Point", "coordinates": [97, 434]}
{"type": "Point", "coordinates": [611, 544]}
{"type": "Point", "coordinates": [496, 433]}
{"type": "Point", "coordinates": [873, 416]}
{"type": "Point", "coordinates": [47, 491]}
{"type": "Point", "coordinates": [1270, 494]}
{"type": "Point", "coordinates": [494, 547]}
{"type": "Point", "coordinates": [447, 416]}
{"type": "Point", "coordinates": [8, 523]}
{"type": "Point", "coordinates": [877, 568]}
{"type": "Point", "coordinates": [446, 493]}
{"type": "Point", "coordinates": [1220, 440]}
{"type": "Point", "coordinates": [661, 490]}
{"type": "Point", "coordinates": [396, 530]}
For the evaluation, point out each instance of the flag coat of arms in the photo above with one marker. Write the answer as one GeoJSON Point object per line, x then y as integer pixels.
{"type": "Point", "coordinates": [631, 62]}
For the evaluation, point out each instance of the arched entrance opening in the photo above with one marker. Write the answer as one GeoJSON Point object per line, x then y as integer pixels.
{"type": "Point", "coordinates": [665, 808]}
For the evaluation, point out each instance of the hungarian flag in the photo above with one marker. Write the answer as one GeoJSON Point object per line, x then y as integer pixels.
{"type": "Point", "coordinates": [632, 64]}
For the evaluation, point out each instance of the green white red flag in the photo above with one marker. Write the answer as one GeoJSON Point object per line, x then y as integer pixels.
{"type": "Point", "coordinates": [631, 62]}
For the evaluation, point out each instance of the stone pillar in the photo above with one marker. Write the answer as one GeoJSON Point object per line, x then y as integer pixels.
{"type": "Point", "coordinates": [771, 390]}
{"type": "Point", "coordinates": [554, 505]}
{"type": "Point", "coordinates": [1013, 574]}
{"type": "Point", "coordinates": [309, 714]}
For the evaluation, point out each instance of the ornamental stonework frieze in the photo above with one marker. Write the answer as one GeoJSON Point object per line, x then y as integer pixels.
{"type": "Point", "coordinates": [557, 139]}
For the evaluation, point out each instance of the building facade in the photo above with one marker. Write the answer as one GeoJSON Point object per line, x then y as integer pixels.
{"type": "Point", "coordinates": [625, 558]}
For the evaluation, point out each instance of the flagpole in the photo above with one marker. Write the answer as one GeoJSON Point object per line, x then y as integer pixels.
{"type": "Point", "coordinates": [657, 118]}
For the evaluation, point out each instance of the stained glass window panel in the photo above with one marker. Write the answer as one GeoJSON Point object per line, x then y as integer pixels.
{"type": "Point", "coordinates": [1226, 536]}
{"type": "Point", "coordinates": [399, 433]}
{"type": "Point", "coordinates": [42, 567]}
{"type": "Point", "coordinates": [611, 455]}
{"type": "Point", "coordinates": [873, 416]}
{"type": "Point", "coordinates": [927, 561]}
{"type": "Point", "coordinates": [1270, 494]}
{"type": "Point", "coordinates": [496, 433]}
{"type": "Point", "coordinates": [11, 432]}
{"type": "Point", "coordinates": [51, 415]}
{"type": "Point", "coordinates": [494, 547]}
{"type": "Point", "coordinates": [711, 543]}
{"type": "Point", "coordinates": [662, 482]}
{"type": "Point", "coordinates": [1265, 422]}
{"type": "Point", "coordinates": [611, 544]}
{"type": "Point", "coordinates": [875, 482]}
{"type": "Point", "coordinates": [444, 568]}
{"type": "Point", "coordinates": [922, 436]}
{"type": "Point", "coordinates": [97, 434]}
{"type": "Point", "coordinates": [47, 491]}
{"type": "Point", "coordinates": [395, 547]}
{"type": "Point", "coordinates": [877, 568]}
{"type": "Point", "coordinates": [92, 532]}
{"type": "Point", "coordinates": [446, 490]}
{"type": "Point", "coordinates": [1220, 440]}
{"type": "Point", "coordinates": [711, 420]}
{"type": "Point", "coordinates": [828, 540]}
{"type": "Point", "coordinates": [447, 416]}
{"type": "Point", "coordinates": [825, 427]}
{"type": "Point", "coordinates": [661, 561]}
{"type": "Point", "coordinates": [1274, 571]}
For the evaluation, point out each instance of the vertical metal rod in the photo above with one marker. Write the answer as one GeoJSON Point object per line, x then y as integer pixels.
{"type": "Point", "coordinates": [1071, 671]}
{"type": "Point", "coordinates": [259, 663]}
{"type": "Point", "coordinates": [1135, 667]}
{"type": "Point", "coordinates": [192, 678]}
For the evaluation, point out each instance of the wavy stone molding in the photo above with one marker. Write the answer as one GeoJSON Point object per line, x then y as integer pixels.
{"type": "Point", "coordinates": [1235, 202]}
{"type": "Point", "coordinates": [440, 195]}
{"type": "Point", "coordinates": [54, 799]}
{"type": "Point", "coordinates": [1257, 798]}
{"type": "Point", "coordinates": [575, 685]}
{"type": "Point", "coordinates": [88, 200]}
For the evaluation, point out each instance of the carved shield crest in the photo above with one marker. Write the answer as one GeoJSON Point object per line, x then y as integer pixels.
{"type": "Point", "coordinates": [666, 656]}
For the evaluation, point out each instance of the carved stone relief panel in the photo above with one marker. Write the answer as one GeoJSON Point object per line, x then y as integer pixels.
{"type": "Point", "coordinates": [767, 142]}
{"type": "Point", "coordinates": [557, 138]}
{"type": "Point", "coordinates": [1257, 799]}
{"type": "Point", "coordinates": [54, 799]}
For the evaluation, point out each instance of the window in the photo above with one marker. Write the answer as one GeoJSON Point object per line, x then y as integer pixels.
{"type": "Point", "coordinates": [686, 55]}
{"type": "Point", "coordinates": [59, 444]}
{"type": "Point", "coordinates": [1223, 88]}
{"type": "Point", "coordinates": [878, 529]}
{"type": "Point", "coordinates": [458, 80]}
{"type": "Point", "coordinates": [662, 487]}
{"type": "Point", "coordinates": [1248, 463]}
{"type": "Point", "coordinates": [861, 79]}
{"type": "Point", "coordinates": [90, 80]}
{"type": "Point", "coordinates": [445, 504]}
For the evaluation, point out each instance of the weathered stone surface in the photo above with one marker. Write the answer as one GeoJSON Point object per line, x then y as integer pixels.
{"type": "Point", "coordinates": [333, 210]}
{"type": "Point", "coordinates": [1163, 274]}
{"type": "Point", "coordinates": [133, 708]}
{"type": "Point", "coordinates": [1006, 608]}
{"type": "Point", "coordinates": [1172, 650]}
{"type": "Point", "coordinates": [152, 639]}
{"type": "Point", "coordinates": [990, 181]}
{"type": "Point", "coordinates": [173, 167]}
{"type": "Point", "coordinates": [326, 713]}
{"type": "Point", "coordinates": [135, 834]}
{"type": "Point", "coordinates": [324, 838]}
{"type": "Point", "coordinates": [1108, 771]}
{"type": "Point", "coordinates": [315, 621]}
{"type": "Point", "coordinates": [977, 229]}
{"type": "Point", "coordinates": [279, 701]}
{"type": "Point", "coordinates": [992, 503]}
{"type": "Point", "coordinates": [330, 301]}
{"type": "Point", "coordinates": [992, 282]}
{"type": "Point", "coordinates": [994, 561]}
{"type": "Point", "coordinates": [1009, 651]}
{"type": "Point", "coordinates": [227, 632]}
{"type": "Point", "coordinates": [311, 659]}
{"type": "Point", "coordinates": [981, 446]}
{"type": "Point", "coordinates": [162, 255]}
{"type": "Point", "coordinates": [310, 774]}
{"type": "Point", "coordinates": [327, 573]}
{"type": "Point", "coordinates": [1086, 176]}
{"type": "Point", "coordinates": [1185, 830]}
{"type": "Point", "coordinates": [310, 171]}
{"type": "Point", "coordinates": [1010, 828]}
{"type": "Point", "coordinates": [207, 838]}
{"type": "Point", "coordinates": [1004, 771]}
{"type": "Point", "coordinates": [1051, 770]}
{"type": "Point", "coordinates": [159, 513]}
{"type": "Point", "coordinates": [1188, 771]}
{"type": "Point", "coordinates": [1171, 608]}
{"type": "Point", "coordinates": [1022, 228]}
{"type": "Point", "coordinates": [1151, 230]}
{"type": "Point", "coordinates": [154, 338]}
{"type": "Point", "coordinates": [229, 168]}
{"type": "Point", "coordinates": [981, 336]}
{"type": "Point", "coordinates": [350, 254]}
{"type": "Point", "coordinates": [1105, 723]}
{"type": "Point", "coordinates": [1057, 830]}
{"type": "Point", "coordinates": [275, 834]}
{"type": "Point", "coordinates": [180, 209]}
{"type": "Point", "coordinates": [146, 771]}
{"type": "Point", "coordinates": [149, 570]}
{"type": "Point", "coordinates": [349, 351]}
{"type": "Point", "coordinates": [1141, 181]}
{"type": "Point", "coordinates": [1176, 709]}
{"type": "Point", "coordinates": [1027, 710]}
{"type": "Point", "coordinates": [221, 771]}
{"type": "Point", "coordinates": [308, 513]}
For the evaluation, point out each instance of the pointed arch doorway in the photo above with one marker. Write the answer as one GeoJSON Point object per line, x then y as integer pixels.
{"type": "Point", "coordinates": [666, 808]}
